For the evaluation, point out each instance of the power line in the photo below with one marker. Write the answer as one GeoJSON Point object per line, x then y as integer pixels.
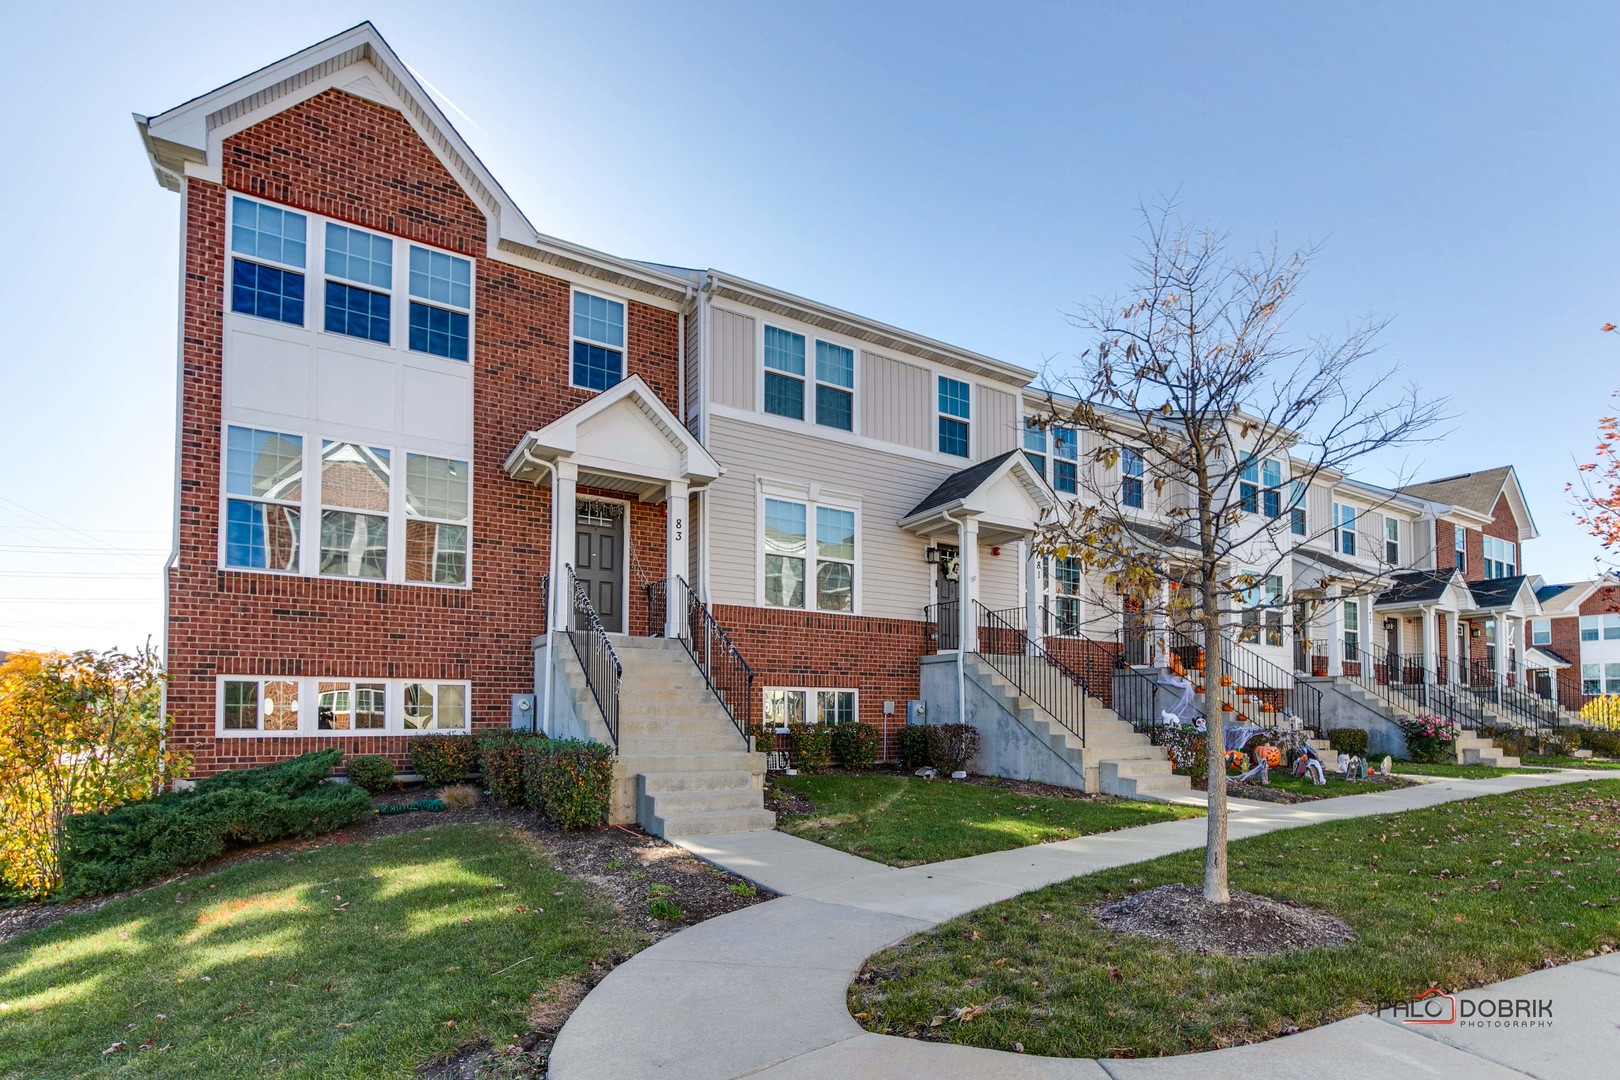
{"type": "Point", "coordinates": [54, 549]}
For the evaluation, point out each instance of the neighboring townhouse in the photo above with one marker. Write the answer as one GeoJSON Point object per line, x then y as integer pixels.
{"type": "Point", "coordinates": [438, 471]}
{"type": "Point", "coordinates": [1575, 644]}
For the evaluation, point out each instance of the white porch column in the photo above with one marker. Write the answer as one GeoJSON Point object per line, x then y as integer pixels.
{"type": "Point", "coordinates": [968, 586]}
{"type": "Point", "coordinates": [1161, 627]}
{"type": "Point", "coordinates": [1431, 646]}
{"type": "Point", "coordinates": [1335, 631]}
{"type": "Point", "coordinates": [1032, 594]}
{"type": "Point", "coordinates": [677, 534]}
{"type": "Point", "coordinates": [564, 511]}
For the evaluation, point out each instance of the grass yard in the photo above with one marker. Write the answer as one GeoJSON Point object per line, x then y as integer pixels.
{"type": "Point", "coordinates": [1478, 890]}
{"type": "Point", "coordinates": [1303, 789]}
{"type": "Point", "coordinates": [1569, 763]}
{"type": "Point", "coordinates": [1460, 772]}
{"type": "Point", "coordinates": [361, 959]}
{"type": "Point", "coordinates": [903, 821]}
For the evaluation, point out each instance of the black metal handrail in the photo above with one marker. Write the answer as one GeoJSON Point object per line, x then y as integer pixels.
{"type": "Point", "coordinates": [1510, 698]}
{"type": "Point", "coordinates": [1253, 672]}
{"type": "Point", "coordinates": [1402, 681]}
{"type": "Point", "coordinates": [545, 600]}
{"type": "Point", "coordinates": [657, 607]}
{"type": "Point", "coordinates": [728, 675]}
{"type": "Point", "coordinates": [1038, 675]}
{"type": "Point", "coordinates": [603, 672]}
{"type": "Point", "coordinates": [943, 620]}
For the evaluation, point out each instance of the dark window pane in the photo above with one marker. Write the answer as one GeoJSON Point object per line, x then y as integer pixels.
{"type": "Point", "coordinates": [1065, 476]}
{"type": "Point", "coordinates": [835, 408]}
{"type": "Point", "coordinates": [784, 395]}
{"type": "Point", "coordinates": [596, 368]}
{"type": "Point", "coordinates": [356, 312]}
{"type": "Point", "coordinates": [267, 292]}
{"type": "Point", "coordinates": [953, 437]}
{"type": "Point", "coordinates": [437, 331]}
{"type": "Point", "coordinates": [1130, 492]}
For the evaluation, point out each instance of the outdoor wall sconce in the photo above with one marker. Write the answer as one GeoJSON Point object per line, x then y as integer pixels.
{"type": "Point", "coordinates": [1473, 631]}
{"type": "Point", "coordinates": [931, 556]}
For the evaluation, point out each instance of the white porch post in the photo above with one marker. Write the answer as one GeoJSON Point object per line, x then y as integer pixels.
{"type": "Point", "coordinates": [1431, 646]}
{"type": "Point", "coordinates": [1161, 627]}
{"type": "Point", "coordinates": [678, 530]}
{"type": "Point", "coordinates": [1032, 594]}
{"type": "Point", "coordinates": [968, 585]}
{"type": "Point", "coordinates": [1335, 631]}
{"type": "Point", "coordinates": [564, 510]}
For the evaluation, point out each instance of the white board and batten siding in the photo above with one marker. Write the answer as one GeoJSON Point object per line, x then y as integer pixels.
{"type": "Point", "coordinates": [731, 356]}
{"type": "Point", "coordinates": [895, 403]}
{"type": "Point", "coordinates": [996, 421]}
{"type": "Point", "coordinates": [894, 580]}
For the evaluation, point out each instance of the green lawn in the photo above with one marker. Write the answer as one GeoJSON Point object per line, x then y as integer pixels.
{"type": "Point", "coordinates": [351, 960]}
{"type": "Point", "coordinates": [1569, 763]}
{"type": "Point", "coordinates": [903, 821]}
{"type": "Point", "coordinates": [1335, 786]}
{"type": "Point", "coordinates": [1483, 889]}
{"type": "Point", "coordinates": [1463, 772]}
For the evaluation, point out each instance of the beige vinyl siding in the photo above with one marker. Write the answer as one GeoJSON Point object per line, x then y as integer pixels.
{"type": "Point", "coordinates": [894, 580]}
{"type": "Point", "coordinates": [999, 577]}
{"type": "Point", "coordinates": [1319, 516]}
{"type": "Point", "coordinates": [731, 351]}
{"type": "Point", "coordinates": [995, 421]}
{"type": "Point", "coordinates": [896, 402]}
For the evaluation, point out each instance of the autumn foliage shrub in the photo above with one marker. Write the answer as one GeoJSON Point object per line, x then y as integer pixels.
{"type": "Point", "coordinates": [140, 842]}
{"type": "Point", "coordinates": [856, 746]}
{"type": "Point", "coordinates": [573, 779]}
{"type": "Point", "coordinates": [952, 746]}
{"type": "Point", "coordinates": [809, 746]}
{"type": "Point", "coordinates": [443, 759]}
{"type": "Point", "coordinates": [501, 756]}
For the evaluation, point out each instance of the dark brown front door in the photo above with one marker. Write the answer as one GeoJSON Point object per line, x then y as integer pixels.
{"type": "Point", "coordinates": [599, 562]}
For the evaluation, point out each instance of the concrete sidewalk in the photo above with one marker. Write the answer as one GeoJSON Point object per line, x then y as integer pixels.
{"type": "Point", "coordinates": [761, 992]}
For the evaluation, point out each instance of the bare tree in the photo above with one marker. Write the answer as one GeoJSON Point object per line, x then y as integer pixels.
{"type": "Point", "coordinates": [1192, 382]}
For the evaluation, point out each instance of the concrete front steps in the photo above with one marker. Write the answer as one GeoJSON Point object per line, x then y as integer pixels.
{"type": "Point", "coordinates": [1113, 758]}
{"type": "Point", "coordinates": [1471, 748]}
{"type": "Point", "coordinates": [682, 766]}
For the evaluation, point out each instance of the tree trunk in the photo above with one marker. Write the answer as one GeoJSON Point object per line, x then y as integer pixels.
{"type": "Point", "coordinates": [1215, 888]}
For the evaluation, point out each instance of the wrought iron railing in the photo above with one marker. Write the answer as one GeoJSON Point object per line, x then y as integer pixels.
{"type": "Point", "coordinates": [1512, 699]}
{"type": "Point", "coordinates": [1036, 673]}
{"type": "Point", "coordinates": [944, 624]}
{"type": "Point", "coordinates": [728, 675]}
{"type": "Point", "coordinates": [1410, 688]}
{"type": "Point", "coordinates": [1271, 683]}
{"type": "Point", "coordinates": [545, 600]}
{"type": "Point", "coordinates": [603, 672]}
{"type": "Point", "coordinates": [657, 607]}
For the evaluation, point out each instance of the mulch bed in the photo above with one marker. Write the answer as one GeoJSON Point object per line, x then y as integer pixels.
{"type": "Point", "coordinates": [617, 861]}
{"type": "Point", "coordinates": [1250, 925]}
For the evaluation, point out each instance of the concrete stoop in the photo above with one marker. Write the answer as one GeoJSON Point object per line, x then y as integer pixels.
{"type": "Point", "coordinates": [1471, 749]}
{"type": "Point", "coordinates": [682, 768]}
{"type": "Point", "coordinates": [1113, 758]}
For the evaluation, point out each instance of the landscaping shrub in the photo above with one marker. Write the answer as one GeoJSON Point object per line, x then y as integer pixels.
{"type": "Point", "coordinates": [1603, 712]}
{"type": "Point", "coordinates": [573, 778]}
{"type": "Point", "coordinates": [856, 745]}
{"type": "Point", "coordinates": [443, 759]}
{"type": "Point", "coordinates": [1348, 740]}
{"type": "Point", "coordinates": [1429, 738]}
{"type": "Point", "coordinates": [143, 841]}
{"type": "Point", "coordinates": [952, 746]}
{"type": "Point", "coordinates": [809, 746]}
{"type": "Point", "coordinates": [501, 756]}
{"type": "Point", "coordinates": [372, 772]}
{"type": "Point", "coordinates": [914, 746]}
{"type": "Point", "coordinates": [460, 796]}
{"type": "Point", "coordinates": [1601, 741]}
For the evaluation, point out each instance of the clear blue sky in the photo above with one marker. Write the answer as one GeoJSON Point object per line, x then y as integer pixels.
{"type": "Point", "coordinates": [968, 171]}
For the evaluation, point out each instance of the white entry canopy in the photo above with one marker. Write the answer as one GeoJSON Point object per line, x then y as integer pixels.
{"type": "Point", "coordinates": [1004, 493]}
{"type": "Point", "coordinates": [624, 439]}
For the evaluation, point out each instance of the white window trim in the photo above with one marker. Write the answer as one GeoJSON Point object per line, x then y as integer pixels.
{"type": "Point", "coordinates": [811, 335]}
{"type": "Point", "coordinates": [811, 713]}
{"type": "Point", "coordinates": [1339, 529]}
{"type": "Point", "coordinates": [310, 507]}
{"type": "Point", "coordinates": [940, 414]}
{"type": "Point", "coordinates": [1392, 525]}
{"type": "Point", "coordinates": [394, 708]}
{"type": "Point", "coordinates": [1053, 594]}
{"type": "Point", "coordinates": [472, 300]}
{"type": "Point", "coordinates": [1534, 624]}
{"type": "Point", "coordinates": [810, 496]}
{"type": "Point", "coordinates": [315, 278]}
{"type": "Point", "coordinates": [1123, 476]}
{"type": "Point", "coordinates": [574, 292]}
{"type": "Point", "coordinates": [387, 290]}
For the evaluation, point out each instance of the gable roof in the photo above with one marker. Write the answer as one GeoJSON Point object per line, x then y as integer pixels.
{"type": "Point", "coordinates": [1497, 592]}
{"type": "Point", "coordinates": [1478, 492]}
{"type": "Point", "coordinates": [1416, 586]}
{"type": "Point", "coordinates": [1004, 494]}
{"type": "Point", "coordinates": [959, 485]}
{"type": "Point", "coordinates": [1545, 593]}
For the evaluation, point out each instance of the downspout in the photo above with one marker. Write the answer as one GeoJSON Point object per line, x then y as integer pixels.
{"type": "Point", "coordinates": [179, 449]}
{"type": "Point", "coordinates": [961, 633]}
{"type": "Point", "coordinates": [551, 586]}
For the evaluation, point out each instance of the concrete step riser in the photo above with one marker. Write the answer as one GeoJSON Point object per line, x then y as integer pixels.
{"type": "Point", "coordinates": [676, 763]}
{"type": "Point", "coordinates": [673, 804]}
{"type": "Point", "coordinates": [679, 783]}
{"type": "Point", "coordinates": [711, 824]}
{"type": "Point", "coordinates": [642, 745]}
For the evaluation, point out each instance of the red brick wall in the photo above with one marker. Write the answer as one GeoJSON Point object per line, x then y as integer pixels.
{"type": "Point", "coordinates": [354, 160]}
{"type": "Point", "coordinates": [878, 657]}
{"type": "Point", "coordinates": [1566, 642]}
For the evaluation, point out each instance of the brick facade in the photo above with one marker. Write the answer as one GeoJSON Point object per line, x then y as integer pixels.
{"type": "Point", "coordinates": [357, 161]}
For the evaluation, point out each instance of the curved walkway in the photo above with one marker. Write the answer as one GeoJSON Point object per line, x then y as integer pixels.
{"type": "Point", "coordinates": [761, 992]}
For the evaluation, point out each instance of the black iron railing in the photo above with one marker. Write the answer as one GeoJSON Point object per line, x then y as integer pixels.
{"type": "Point", "coordinates": [944, 625]}
{"type": "Point", "coordinates": [1512, 699]}
{"type": "Point", "coordinates": [657, 607]}
{"type": "Point", "coordinates": [1406, 685]}
{"type": "Point", "coordinates": [603, 672]}
{"type": "Point", "coordinates": [728, 675]}
{"type": "Point", "coordinates": [545, 601]}
{"type": "Point", "coordinates": [1036, 673]}
{"type": "Point", "coordinates": [1255, 676]}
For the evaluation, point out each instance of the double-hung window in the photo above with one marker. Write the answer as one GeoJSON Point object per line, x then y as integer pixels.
{"type": "Point", "coordinates": [1611, 678]}
{"type": "Point", "coordinates": [354, 510]}
{"type": "Point", "coordinates": [264, 488]}
{"type": "Point", "coordinates": [955, 415]}
{"type": "Point", "coordinates": [436, 515]}
{"type": "Point", "coordinates": [435, 706]}
{"type": "Point", "coordinates": [1259, 487]}
{"type": "Point", "coordinates": [819, 576]}
{"type": "Point", "coordinates": [835, 706]}
{"type": "Point", "coordinates": [1066, 599]}
{"type": "Point", "coordinates": [1035, 446]}
{"type": "Point", "coordinates": [351, 706]}
{"type": "Point", "coordinates": [1352, 630]}
{"type": "Point", "coordinates": [1591, 679]}
{"type": "Point", "coordinates": [268, 705]}
{"type": "Point", "coordinates": [784, 373]}
{"type": "Point", "coordinates": [268, 254]}
{"type": "Point", "coordinates": [1392, 540]}
{"type": "Point", "coordinates": [1130, 477]}
{"type": "Point", "coordinates": [1591, 627]}
{"type": "Point", "coordinates": [835, 386]}
{"type": "Point", "coordinates": [359, 283]}
{"type": "Point", "coordinates": [785, 707]}
{"type": "Point", "coordinates": [1262, 616]}
{"type": "Point", "coordinates": [441, 303]}
{"type": "Point", "coordinates": [1344, 525]}
{"type": "Point", "coordinates": [1611, 628]}
{"type": "Point", "coordinates": [1296, 507]}
{"type": "Point", "coordinates": [598, 349]}
{"type": "Point", "coordinates": [1459, 542]}
{"type": "Point", "coordinates": [1541, 631]}
{"type": "Point", "coordinates": [1065, 460]}
{"type": "Point", "coordinates": [1500, 557]}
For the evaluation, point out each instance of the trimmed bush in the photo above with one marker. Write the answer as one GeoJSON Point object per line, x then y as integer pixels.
{"type": "Point", "coordinates": [914, 746]}
{"type": "Point", "coordinates": [501, 756]}
{"type": "Point", "coordinates": [572, 778]}
{"type": "Point", "coordinates": [372, 772]}
{"type": "Point", "coordinates": [809, 746]}
{"type": "Point", "coordinates": [143, 841]}
{"type": "Point", "coordinates": [1348, 740]}
{"type": "Point", "coordinates": [443, 759]}
{"type": "Point", "coordinates": [856, 745]}
{"type": "Point", "coordinates": [952, 746]}
{"type": "Point", "coordinates": [1601, 741]}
